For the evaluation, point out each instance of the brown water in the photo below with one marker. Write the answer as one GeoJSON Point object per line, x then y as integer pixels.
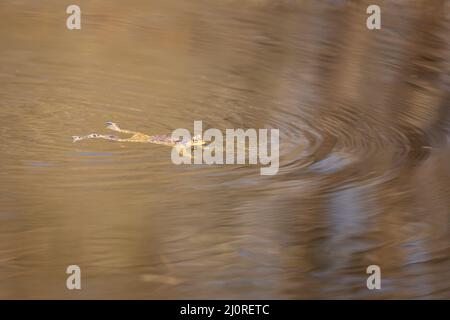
{"type": "Point", "coordinates": [364, 119]}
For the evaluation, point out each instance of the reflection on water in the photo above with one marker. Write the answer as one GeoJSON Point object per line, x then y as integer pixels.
{"type": "Point", "coordinates": [364, 122]}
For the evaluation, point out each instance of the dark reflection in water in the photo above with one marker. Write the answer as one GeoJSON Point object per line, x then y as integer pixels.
{"type": "Point", "coordinates": [364, 121]}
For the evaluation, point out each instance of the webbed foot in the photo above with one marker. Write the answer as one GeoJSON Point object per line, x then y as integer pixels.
{"type": "Point", "coordinates": [76, 138]}
{"type": "Point", "coordinates": [112, 126]}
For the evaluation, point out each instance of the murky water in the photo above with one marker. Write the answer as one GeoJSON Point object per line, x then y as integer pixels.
{"type": "Point", "coordinates": [364, 119]}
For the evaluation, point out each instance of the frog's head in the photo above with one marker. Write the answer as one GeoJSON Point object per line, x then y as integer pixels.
{"type": "Point", "coordinates": [196, 141]}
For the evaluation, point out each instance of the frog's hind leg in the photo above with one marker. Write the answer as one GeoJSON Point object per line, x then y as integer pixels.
{"type": "Point", "coordinates": [113, 126]}
{"type": "Point", "coordinates": [137, 136]}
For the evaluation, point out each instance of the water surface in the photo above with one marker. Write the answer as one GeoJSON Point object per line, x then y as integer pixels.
{"type": "Point", "coordinates": [364, 121]}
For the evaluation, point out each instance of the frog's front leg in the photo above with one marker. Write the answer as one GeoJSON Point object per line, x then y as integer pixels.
{"type": "Point", "coordinates": [184, 151]}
